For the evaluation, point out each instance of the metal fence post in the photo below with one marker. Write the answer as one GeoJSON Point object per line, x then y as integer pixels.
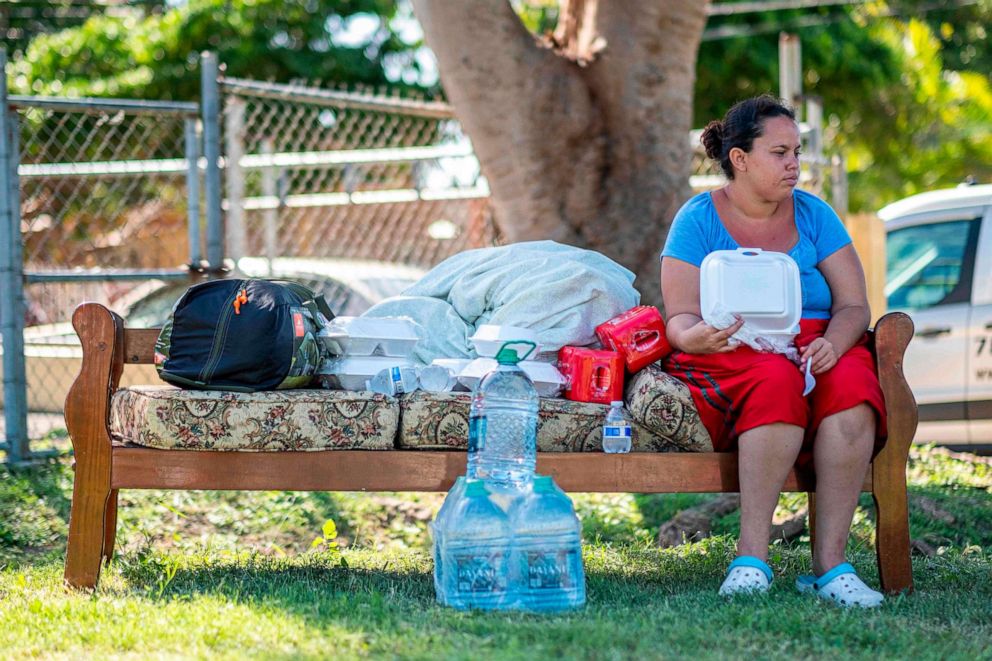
{"type": "Point", "coordinates": [790, 69]}
{"type": "Point", "coordinates": [193, 192]}
{"type": "Point", "coordinates": [814, 120]}
{"type": "Point", "coordinates": [12, 281]}
{"type": "Point", "coordinates": [210, 109]}
{"type": "Point", "coordinates": [234, 177]}
{"type": "Point", "coordinates": [270, 189]}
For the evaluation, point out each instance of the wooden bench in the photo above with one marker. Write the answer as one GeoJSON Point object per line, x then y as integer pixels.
{"type": "Point", "coordinates": [102, 468]}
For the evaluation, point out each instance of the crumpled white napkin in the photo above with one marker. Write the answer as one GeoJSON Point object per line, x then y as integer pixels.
{"type": "Point", "coordinates": [720, 317]}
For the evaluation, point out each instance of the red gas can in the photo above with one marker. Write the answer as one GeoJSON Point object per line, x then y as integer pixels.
{"type": "Point", "coordinates": [638, 335]}
{"type": "Point", "coordinates": [591, 375]}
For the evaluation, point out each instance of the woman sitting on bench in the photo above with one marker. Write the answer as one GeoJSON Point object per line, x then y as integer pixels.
{"type": "Point", "coordinates": [754, 401]}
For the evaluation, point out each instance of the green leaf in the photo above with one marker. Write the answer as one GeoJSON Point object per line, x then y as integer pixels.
{"type": "Point", "coordinates": [330, 530]}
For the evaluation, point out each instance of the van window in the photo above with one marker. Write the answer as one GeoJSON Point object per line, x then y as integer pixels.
{"type": "Point", "coordinates": [932, 264]}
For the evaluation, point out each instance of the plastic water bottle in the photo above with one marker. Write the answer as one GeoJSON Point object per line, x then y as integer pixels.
{"type": "Point", "coordinates": [476, 433]}
{"type": "Point", "coordinates": [616, 431]}
{"type": "Point", "coordinates": [436, 378]}
{"type": "Point", "coordinates": [475, 552]}
{"type": "Point", "coordinates": [546, 559]}
{"type": "Point", "coordinates": [438, 530]}
{"type": "Point", "coordinates": [394, 381]}
{"type": "Point", "coordinates": [507, 427]}
{"type": "Point", "coordinates": [439, 526]}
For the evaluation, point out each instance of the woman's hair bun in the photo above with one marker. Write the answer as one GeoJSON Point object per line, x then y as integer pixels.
{"type": "Point", "coordinates": [712, 139]}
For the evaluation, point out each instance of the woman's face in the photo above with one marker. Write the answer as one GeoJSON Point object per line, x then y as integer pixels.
{"type": "Point", "coordinates": [772, 165]}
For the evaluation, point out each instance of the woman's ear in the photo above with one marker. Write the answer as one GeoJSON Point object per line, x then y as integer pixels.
{"type": "Point", "coordinates": [738, 159]}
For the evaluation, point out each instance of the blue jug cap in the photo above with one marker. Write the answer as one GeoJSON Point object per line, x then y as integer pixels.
{"type": "Point", "coordinates": [544, 483]}
{"type": "Point", "coordinates": [475, 488]}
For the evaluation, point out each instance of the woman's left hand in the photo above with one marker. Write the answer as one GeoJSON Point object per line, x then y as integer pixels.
{"type": "Point", "coordinates": [823, 353]}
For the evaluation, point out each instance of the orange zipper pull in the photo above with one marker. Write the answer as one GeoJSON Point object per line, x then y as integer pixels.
{"type": "Point", "coordinates": [241, 298]}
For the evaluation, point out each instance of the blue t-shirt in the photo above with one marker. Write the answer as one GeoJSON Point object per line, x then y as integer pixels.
{"type": "Point", "coordinates": [698, 231]}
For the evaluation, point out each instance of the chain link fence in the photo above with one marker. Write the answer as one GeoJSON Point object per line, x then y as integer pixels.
{"type": "Point", "coordinates": [105, 205]}
{"type": "Point", "coordinates": [100, 206]}
{"type": "Point", "coordinates": [319, 173]}
{"type": "Point", "coordinates": [327, 174]}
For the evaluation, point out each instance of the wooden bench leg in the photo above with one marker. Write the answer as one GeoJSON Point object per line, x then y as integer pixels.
{"type": "Point", "coordinates": [87, 521]}
{"type": "Point", "coordinates": [110, 526]}
{"type": "Point", "coordinates": [895, 569]}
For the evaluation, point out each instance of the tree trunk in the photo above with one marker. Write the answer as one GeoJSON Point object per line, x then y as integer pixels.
{"type": "Point", "coordinates": [583, 136]}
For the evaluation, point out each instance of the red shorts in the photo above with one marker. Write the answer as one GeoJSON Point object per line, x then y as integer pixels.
{"type": "Point", "coordinates": [744, 389]}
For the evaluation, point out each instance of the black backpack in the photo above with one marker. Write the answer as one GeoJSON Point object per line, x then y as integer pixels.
{"type": "Point", "coordinates": [242, 335]}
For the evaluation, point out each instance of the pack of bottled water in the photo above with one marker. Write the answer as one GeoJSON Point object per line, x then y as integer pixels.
{"type": "Point", "coordinates": [506, 538]}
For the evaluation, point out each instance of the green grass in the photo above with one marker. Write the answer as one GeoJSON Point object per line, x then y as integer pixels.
{"type": "Point", "coordinates": [232, 575]}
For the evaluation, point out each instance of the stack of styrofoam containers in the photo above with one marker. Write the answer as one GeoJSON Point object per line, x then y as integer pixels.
{"type": "Point", "coordinates": [488, 339]}
{"type": "Point", "coordinates": [364, 346]}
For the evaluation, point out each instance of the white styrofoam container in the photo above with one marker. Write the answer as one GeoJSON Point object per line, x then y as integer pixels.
{"type": "Point", "coordinates": [761, 286]}
{"type": "Point", "coordinates": [489, 338]}
{"type": "Point", "coordinates": [371, 336]}
{"type": "Point", "coordinates": [352, 372]}
{"type": "Point", "coordinates": [548, 381]}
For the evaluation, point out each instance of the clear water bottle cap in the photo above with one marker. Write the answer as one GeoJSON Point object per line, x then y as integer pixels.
{"type": "Point", "coordinates": [618, 403]}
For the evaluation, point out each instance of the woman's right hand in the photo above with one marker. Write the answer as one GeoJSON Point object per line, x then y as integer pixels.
{"type": "Point", "coordinates": [703, 338]}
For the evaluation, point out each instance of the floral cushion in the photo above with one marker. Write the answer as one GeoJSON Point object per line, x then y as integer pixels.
{"type": "Point", "coordinates": [166, 417]}
{"type": "Point", "coordinates": [439, 421]}
{"type": "Point", "coordinates": [663, 405]}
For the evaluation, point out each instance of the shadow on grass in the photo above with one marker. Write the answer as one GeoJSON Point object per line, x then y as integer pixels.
{"type": "Point", "coordinates": [618, 578]}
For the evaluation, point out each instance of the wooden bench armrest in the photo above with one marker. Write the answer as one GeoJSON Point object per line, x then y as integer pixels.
{"type": "Point", "coordinates": [892, 335]}
{"type": "Point", "coordinates": [888, 473]}
{"type": "Point", "coordinates": [87, 405]}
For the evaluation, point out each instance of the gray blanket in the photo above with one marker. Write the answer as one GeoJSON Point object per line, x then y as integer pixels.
{"type": "Point", "coordinates": [560, 291]}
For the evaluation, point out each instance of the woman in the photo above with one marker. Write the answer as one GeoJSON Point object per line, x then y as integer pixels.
{"type": "Point", "coordinates": [753, 401]}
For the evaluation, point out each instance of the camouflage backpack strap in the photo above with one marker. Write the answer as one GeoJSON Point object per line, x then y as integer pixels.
{"type": "Point", "coordinates": [316, 303]}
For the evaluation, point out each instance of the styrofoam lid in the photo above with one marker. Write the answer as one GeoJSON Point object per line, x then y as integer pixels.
{"type": "Point", "coordinates": [478, 368]}
{"type": "Point", "coordinates": [502, 333]}
{"type": "Point", "coordinates": [538, 372]}
{"type": "Point", "coordinates": [384, 328]}
{"type": "Point", "coordinates": [761, 286]}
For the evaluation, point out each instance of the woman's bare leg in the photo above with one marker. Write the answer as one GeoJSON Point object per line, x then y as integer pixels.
{"type": "Point", "coordinates": [841, 455]}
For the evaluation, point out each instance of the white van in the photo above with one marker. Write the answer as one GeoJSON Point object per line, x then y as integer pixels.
{"type": "Point", "coordinates": [939, 271]}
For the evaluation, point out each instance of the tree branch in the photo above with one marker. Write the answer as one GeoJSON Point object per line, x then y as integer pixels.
{"type": "Point", "coordinates": [575, 36]}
